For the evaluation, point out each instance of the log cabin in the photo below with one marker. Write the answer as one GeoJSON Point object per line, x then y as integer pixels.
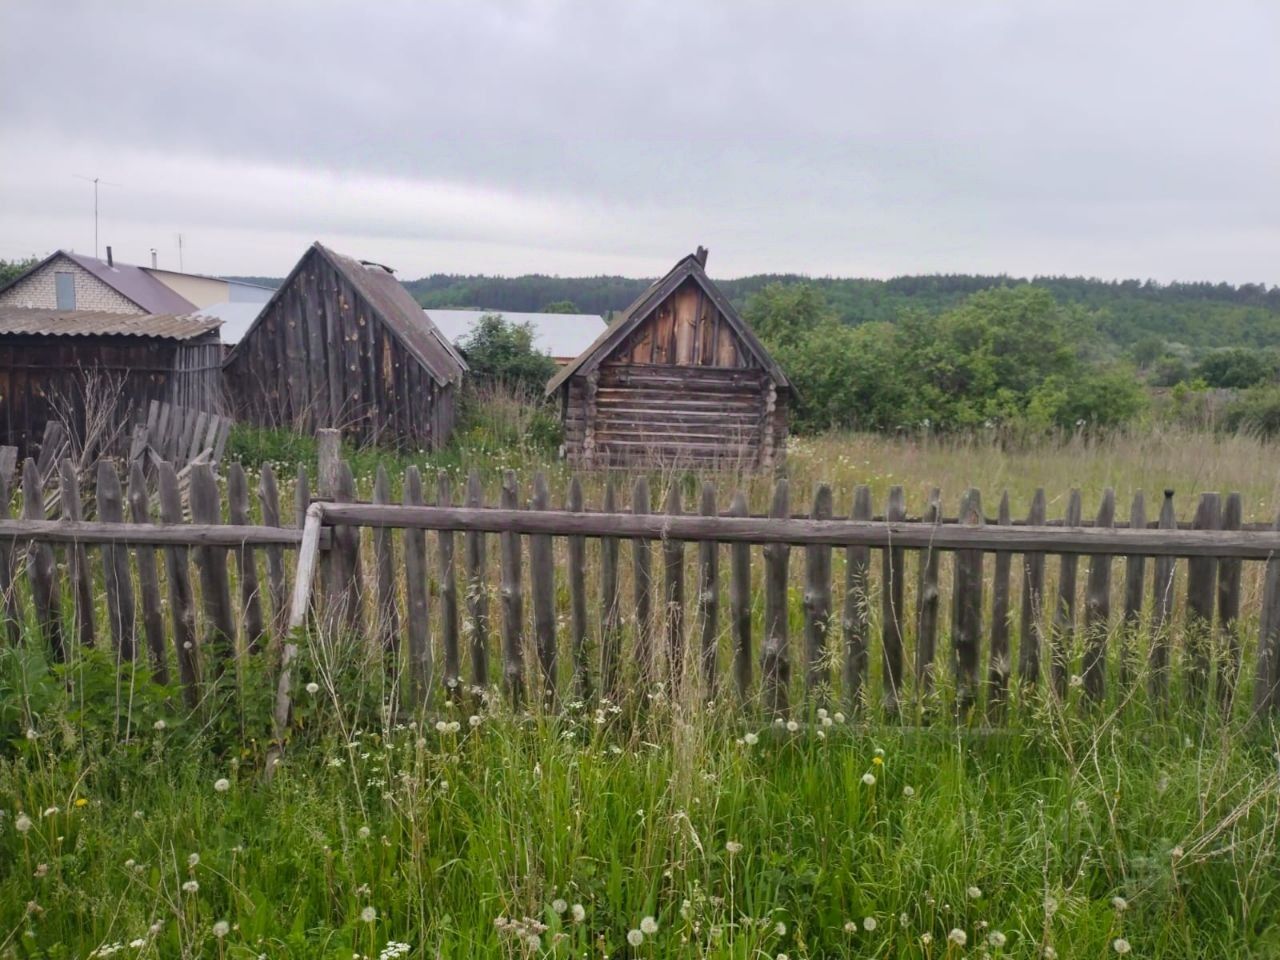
{"type": "Point", "coordinates": [342, 344]}
{"type": "Point", "coordinates": [677, 379]}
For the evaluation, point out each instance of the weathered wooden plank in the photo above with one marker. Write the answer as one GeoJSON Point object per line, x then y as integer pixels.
{"type": "Point", "coordinates": [1097, 609]}
{"type": "Point", "coordinates": [246, 561]}
{"type": "Point", "coordinates": [182, 604]}
{"type": "Point", "coordinates": [611, 606]}
{"type": "Point", "coordinates": [77, 556]}
{"type": "Point", "coordinates": [346, 545]}
{"type": "Point", "coordinates": [477, 589]}
{"type": "Point", "coordinates": [384, 576]}
{"type": "Point", "coordinates": [643, 586]}
{"type": "Point", "coordinates": [999, 663]}
{"type": "Point", "coordinates": [775, 655]}
{"type": "Point", "coordinates": [121, 609]}
{"type": "Point", "coordinates": [1161, 607]}
{"type": "Point", "coordinates": [893, 606]}
{"type": "Point", "coordinates": [148, 577]}
{"type": "Point", "coordinates": [277, 589]}
{"type": "Point", "coordinates": [673, 592]}
{"type": "Point", "coordinates": [417, 598]}
{"type": "Point", "coordinates": [10, 604]}
{"type": "Point", "coordinates": [966, 619]}
{"type": "Point", "coordinates": [1229, 571]}
{"type": "Point", "coordinates": [1266, 688]}
{"type": "Point", "coordinates": [709, 595]}
{"type": "Point", "coordinates": [448, 596]}
{"type": "Point", "coordinates": [1201, 580]}
{"type": "Point", "coordinates": [512, 600]}
{"type": "Point", "coordinates": [211, 562]}
{"type": "Point", "coordinates": [1064, 611]}
{"type": "Point", "coordinates": [740, 604]}
{"type": "Point", "coordinates": [928, 601]}
{"type": "Point", "coordinates": [817, 602]}
{"type": "Point", "coordinates": [578, 599]}
{"type": "Point", "coordinates": [1135, 570]}
{"type": "Point", "coordinates": [42, 570]}
{"type": "Point", "coordinates": [855, 620]}
{"type": "Point", "coordinates": [542, 587]}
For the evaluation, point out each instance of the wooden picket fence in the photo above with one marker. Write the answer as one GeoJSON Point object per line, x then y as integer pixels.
{"type": "Point", "coordinates": [632, 619]}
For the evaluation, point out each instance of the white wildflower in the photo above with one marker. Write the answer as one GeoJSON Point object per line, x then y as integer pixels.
{"type": "Point", "coordinates": [868, 924]}
{"type": "Point", "coordinates": [635, 937]}
{"type": "Point", "coordinates": [559, 906]}
{"type": "Point", "coordinates": [792, 726]}
{"type": "Point", "coordinates": [648, 926]}
{"type": "Point", "coordinates": [578, 912]}
{"type": "Point", "coordinates": [22, 824]}
{"type": "Point", "coordinates": [191, 886]}
{"type": "Point", "coordinates": [368, 914]}
{"type": "Point", "coordinates": [221, 929]}
{"type": "Point", "coordinates": [222, 785]}
{"type": "Point", "coordinates": [974, 893]}
{"type": "Point", "coordinates": [363, 833]}
{"type": "Point", "coordinates": [159, 726]}
{"type": "Point", "coordinates": [193, 859]}
{"type": "Point", "coordinates": [997, 939]}
{"type": "Point", "coordinates": [1120, 945]}
{"type": "Point", "coordinates": [313, 688]}
{"type": "Point", "coordinates": [908, 791]}
{"type": "Point", "coordinates": [869, 779]}
{"type": "Point", "coordinates": [750, 739]}
{"type": "Point", "coordinates": [958, 937]}
{"type": "Point", "coordinates": [1120, 904]}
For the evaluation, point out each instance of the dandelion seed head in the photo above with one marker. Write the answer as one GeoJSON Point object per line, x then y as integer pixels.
{"type": "Point", "coordinates": [997, 939]}
{"type": "Point", "coordinates": [313, 688]}
{"type": "Point", "coordinates": [222, 785]}
{"type": "Point", "coordinates": [869, 779]}
{"type": "Point", "coordinates": [648, 926]}
{"type": "Point", "coordinates": [733, 847]}
{"type": "Point", "coordinates": [958, 937]}
{"type": "Point", "coordinates": [635, 937]}
{"type": "Point", "coordinates": [368, 915]}
{"type": "Point", "coordinates": [221, 929]}
{"type": "Point", "coordinates": [559, 906]}
{"type": "Point", "coordinates": [1120, 904]}
{"type": "Point", "coordinates": [1120, 945]}
{"type": "Point", "coordinates": [975, 893]}
{"type": "Point", "coordinates": [792, 726]}
{"type": "Point", "coordinates": [578, 912]}
{"type": "Point", "coordinates": [22, 824]}
{"type": "Point", "coordinates": [750, 739]}
{"type": "Point", "coordinates": [868, 924]}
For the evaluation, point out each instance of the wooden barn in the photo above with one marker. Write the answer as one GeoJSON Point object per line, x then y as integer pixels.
{"type": "Point", "coordinates": [77, 366]}
{"type": "Point", "coordinates": [678, 378]}
{"type": "Point", "coordinates": [343, 344]}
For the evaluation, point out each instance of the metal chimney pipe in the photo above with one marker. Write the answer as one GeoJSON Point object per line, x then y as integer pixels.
{"type": "Point", "coordinates": [110, 262]}
{"type": "Point", "coordinates": [153, 258]}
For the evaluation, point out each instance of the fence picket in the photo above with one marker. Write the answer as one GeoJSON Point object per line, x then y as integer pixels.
{"type": "Point", "coordinates": [542, 587]}
{"type": "Point", "coordinates": [998, 662]}
{"type": "Point", "coordinates": [246, 561]}
{"type": "Point", "coordinates": [385, 578]}
{"type": "Point", "coordinates": [643, 585]}
{"type": "Point", "coordinates": [42, 569]}
{"type": "Point", "coordinates": [740, 605]}
{"type": "Point", "coordinates": [1031, 622]}
{"type": "Point", "coordinates": [512, 600]}
{"type": "Point", "coordinates": [77, 556]}
{"type": "Point", "coordinates": [1201, 580]}
{"type": "Point", "coordinates": [477, 589]}
{"type": "Point", "coordinates": [855, 619]}
{"type": "Point", "coordinates": [211, 561]}
{"type": "Point", "coordinates": [148, 577]}
{"type": "Point", "coordinates": [611, 606]}
{"type": "Point", "coordinates": [673, 592]}
{"type": "Point", "coordinates": [708, 594]}
{"type": "Point", "coordinates": [1135, 571]}
{"type": "Point", "coordinates": [892, 599]}
{"type": "Point", "coordinates": [1266, 689]}
{"type": "Point", "coordinates": [577, 547]}
{"type": "Point", "coordinates": [121, 609]}
{"type": "Point", "coordinates": [11, 612]}
{"type": "Point", "coordinates": [817, 602]}
{"type": "Point", "coordinates": [775, 655]}
{"type": "Point", "coordinates": [277, 588]}
{"type": "Point", "coordinates": [182, 604]}
{"type": "Point", "coordinates": [966, 619]}
{"type": "Point", "coordinates": [928, 599]}
{"type": "Point", "coordinates": [448, 596]}
{"type": "Point", "coordinates": [1229, 572]}
{"type": "Point", "coordinates": [1161, 607]}
{"type": "Point", "coordinates": [1064, 611]}
{"type": "Point", "coordinates": [346, 544]}
{"type": "Point", "coordinates": [1097, 608]}
{"type": "Point", "coordinates": [417, 602]}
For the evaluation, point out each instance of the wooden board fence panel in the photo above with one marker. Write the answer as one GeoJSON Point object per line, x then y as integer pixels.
{"type": "Point", "coordinates": [578, 629]}
{"type": "Point", "coordinates": [775, 653]}
{"type": "Point", "coordinates": [1031, 620]}
{"type": "Point", "coordinates": [77, 556]}
{"type": "Point", "coordinates": [10, 604]}
{"type": "Point", "coordinates": [417, 597]}
{"type": "Point", "coordinates": [1230, 570]}
{"type": "Point", "coordinates": [998, 660]}
{"type": "Point", "coordinates": [42, 570]}
{"type": "Point", "coordinates": [385, 593]}
{"type": "Point", "coordinates": [211, 562]}
{"type": "Point", "coordinates": [611, 605]}
{"type": "Point", "coordinates": [928, 600]}
{"type": "Point", "coordinates": [277, 589]}
{"type": "Point", "coordinates": [855, 620]}
{"type": "Point", "coordinates": [512, 600]}
{"type": "Point", "coordinates": [966, 619]}
{"type": "Point", "coordinates": [1097, 609]}
{"type": "Point", "coordinates": [1162, 606]}
{"type": "Point", "coordinates": [642, 577]}
{"type": "Point", "coordinates": [251, 619]}
{"type": "Point", "coordinates": [893, 602]}
{"type": "Point", "coordinates": [1201, 595]}
{"type": "Point", "coordinates": [740, 605]}
{"type": "Point", "coordinates": [118, 583]}
{"type": "Point", "coordinates": [182, 604]}
{"type": "Point", "coordinates": [148, 577]}
{"type": "Point", "coordinates": [448, 596]}
{"type": "Point", "coordinates": [673, 592]}
{"type": "Point", "coordinates": [708, 595]}
{"type": "Point", "coordinates": [817, 603]}
{"type": "Point", "coordinates": [477, 589]}
{"type": "Point", "coordinates": [1064, 611]}
{"type": "Point", "coordinates": [1135, 570]}
{"type": "Point", "coordinates": [542, 587]}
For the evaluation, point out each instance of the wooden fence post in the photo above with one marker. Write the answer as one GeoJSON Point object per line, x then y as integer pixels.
{"type": "Point", "coordinates": [643, 577]}
{"type": "Point", "coordinates": [966, 620]}
{"type": "Point", "coordinates": [1201, 579]}
{"type": "Point", "coordinates": [1135, 569]}
{"type": "Point", "coordinates": [611, 606]}
{"type": "Point", "coordinates": [892, 600]}
{"type": "Point", "coordinates": [148, 577]}
{"type": "Point", "coordinates": [448, 596]}
{"type": "Point", "coordinates": [740, 604]}
{"type": "Point", "coordinates": [817, 602]}
{"type": "Point", "coordinates": [1064, 612]}
{"type": "Point", "coordinates": [775, 655]}
{"type": "Point", "coordinates": [542, 584]}
{"type": "Point", "coordinates": [1031, 623]}
{"type": "Point", "coordinates": [246, 560]}
{"type": "Point", "coordinates": [1097, 608]}
{"type": "Point", "coordinates": [512, 600]}
{"type": "Point", "coordinates": [477, 589]}
{"type": "Point", "coordinates": [998, 661]}
{"type": "Point", "coordinates": [277, 589]}
{"type": "Point", "coordinates": [928, 599]}
{"type": "Point", "coordinates": [1266, 689]}
{"type": "Point", "coordinates": [346, 544]}
{"type": "Point", "coordinates": [417, 602]}
{"type": "Point", "coordinates": [121, 610]}
{"type": "Point", "coordinates": [1161, 607]}
{"type": "Point", "coordinates": [182, 603]}
{"type": "Point", "coordinates": [578, 599]}
{"type": "Point", "coordinates": [42, 570]}
{"type": "Point", "coordinates": [384, 574]}
{"type": "Point", "coordinates": [855, 618]}
{"type": "Point", "coordinates": [11, 610]}
{"type": "Point", "coordinates": [673, 592]}
{"type": "Point", "coordinates": [211, 561]}
{"type": "Point", "coordinates": [708, 594]}
{"type": "Point", "coordinates": [1229, 570]}
{"type": "Point", "coordinates": [77, 556]}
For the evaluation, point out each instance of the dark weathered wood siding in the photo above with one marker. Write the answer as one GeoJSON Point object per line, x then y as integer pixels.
{"type": "Point", "coordinates": [319, 356]}
{"type": "Point", "coordinates": [43, 375]}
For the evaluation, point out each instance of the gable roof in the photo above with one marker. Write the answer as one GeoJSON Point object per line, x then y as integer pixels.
{"type": "Point", "coordinates": [690, 266]}
{"type": "Point", "coordinates": [133, 283]}
{"type": "Point", "coordinates": [103, 323]}
{"type": "Point", "coordinates": [392, 304]}
{"type": "Point", "coordinates": [557, 334]}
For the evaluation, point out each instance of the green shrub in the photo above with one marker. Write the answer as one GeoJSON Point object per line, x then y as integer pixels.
{"type": "Point", "coordinates": [1256, 411]}
{"type": "Point", "coordinates": [501, 352]}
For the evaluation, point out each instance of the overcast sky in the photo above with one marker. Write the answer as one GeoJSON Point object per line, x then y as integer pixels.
{"type": "Point", "coordinates": [859, 139]}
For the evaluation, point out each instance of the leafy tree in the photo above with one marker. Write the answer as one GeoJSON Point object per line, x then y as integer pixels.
{"type": "Point", "coordinates": [499, 351]}
{"type": "Point", "coordinates": [561, 306]}
{"type": "Point", "coordinates": [10, 270]}
{"type": "Point", "coordinates": [1237, 368]}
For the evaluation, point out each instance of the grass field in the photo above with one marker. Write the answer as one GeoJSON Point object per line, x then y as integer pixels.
{"type": "Point", "coordinates": [658, 827]}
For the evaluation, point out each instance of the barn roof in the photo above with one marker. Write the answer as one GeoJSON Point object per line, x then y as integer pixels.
{"type": "Point", "coordinates": [691, 266]}
{"type": "Point", "coordinates": [393, 305]}
{"type": "Point", "coordinates": [102, 323]}
{"type": "Point", "coordinates": [132, 283]}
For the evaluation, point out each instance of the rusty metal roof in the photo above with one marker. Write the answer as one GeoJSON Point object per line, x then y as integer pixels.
{"type": "Point", "coordinates": [102, 323]}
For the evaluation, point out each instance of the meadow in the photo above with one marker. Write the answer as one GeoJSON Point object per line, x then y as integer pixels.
{"type": "Point", "coordinates": [666, 824]}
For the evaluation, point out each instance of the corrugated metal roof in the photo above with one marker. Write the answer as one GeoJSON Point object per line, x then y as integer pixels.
{"type": "Point", "coordinates": [102, 323]}
{"type": "Point", "coordinates": [136, 284]}
{"type": "Point", "coordinates": [562, 335]}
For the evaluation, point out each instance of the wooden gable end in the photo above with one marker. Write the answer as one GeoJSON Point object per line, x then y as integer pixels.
{"type": "Point", "coordinates": [686, 329]}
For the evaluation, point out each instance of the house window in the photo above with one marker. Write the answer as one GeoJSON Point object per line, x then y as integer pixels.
{"type": "Point", "coordinates": [66, 287]}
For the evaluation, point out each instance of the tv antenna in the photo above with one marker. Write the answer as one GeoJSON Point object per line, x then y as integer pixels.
{"type": "Point", "coordinates": [95, 181]}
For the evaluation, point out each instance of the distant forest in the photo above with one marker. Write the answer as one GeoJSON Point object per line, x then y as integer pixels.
{"type": "Point", "coordinates": [1188, 317]}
